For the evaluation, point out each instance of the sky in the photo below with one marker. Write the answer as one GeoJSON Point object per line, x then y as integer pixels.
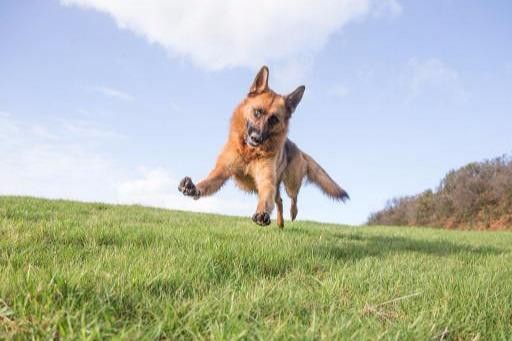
{"type": "Point", "coordinates": [116, 101]}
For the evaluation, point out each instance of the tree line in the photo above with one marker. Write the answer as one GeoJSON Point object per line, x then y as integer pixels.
{"type": "Point", "coordinates": [476, 196]}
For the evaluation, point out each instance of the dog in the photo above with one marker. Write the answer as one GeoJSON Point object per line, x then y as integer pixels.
{"type": "Point", "coordinates": [259, 156]}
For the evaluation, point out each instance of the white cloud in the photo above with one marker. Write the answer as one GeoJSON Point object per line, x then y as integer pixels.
{"type": "Point", "coordinates": [156, 187]}
{"type": "Point", "coordinates": [43, 132]}
{"type": "Point", "coordinates": [89, 130]}
{"type": "Point", "coordinates": [114, 93]}
{"type": "Point", "coordinates": [48, 161]}
{"type": "Point", "coordinates": [287, 76]}
{"type": "Point", "coordinates": [434, 74]}
{"type": "Point", "coordinates": [64, 160]}
{"type": "Point", "coordinates": [227, 33]}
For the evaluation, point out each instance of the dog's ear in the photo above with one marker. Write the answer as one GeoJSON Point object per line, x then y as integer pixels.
{"type": "Point", "coordinates": [293, 99]}
{"type": "Point", "coordinates": [260, 83]}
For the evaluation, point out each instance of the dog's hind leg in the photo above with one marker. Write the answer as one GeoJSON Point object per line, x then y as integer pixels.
{"type": "Point", "coordinates": [292, 189]}
{"type": "Point", "coordinates": [293, 209]}
{"type": "Point", "coordinates": [293, 174]}
{"type": "Point", "coordinates": [279, 204]}
{"type": "Point", "coordinates": [292, 180]}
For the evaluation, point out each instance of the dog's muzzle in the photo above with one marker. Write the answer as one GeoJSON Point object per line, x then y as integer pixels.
{"type": "Point", "coordinates": [255, 137]}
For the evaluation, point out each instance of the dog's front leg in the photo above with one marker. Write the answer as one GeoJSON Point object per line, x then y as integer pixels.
{"type": "Point", "coordinates": [265, 178]}
{"type": "Point", "coordinates": [213, 182]}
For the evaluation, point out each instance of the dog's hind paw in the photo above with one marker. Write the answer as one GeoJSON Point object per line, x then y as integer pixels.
{"type": "Point", "coordinates": [188, 188]}
{"type": "Point", "coordinates": [261, 219]}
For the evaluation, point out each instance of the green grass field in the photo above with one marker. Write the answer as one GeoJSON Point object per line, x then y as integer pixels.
{"type": "Point", "coordinates": [92, 271]}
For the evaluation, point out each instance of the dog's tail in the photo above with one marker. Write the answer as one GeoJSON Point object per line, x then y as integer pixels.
{"type": "Point", "coordinates": [317, 175]}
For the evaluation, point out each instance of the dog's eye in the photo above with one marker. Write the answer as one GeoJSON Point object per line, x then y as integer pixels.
{"type": "Point", "coordinates": [257, 113]}
{"type": "Point", "coordinates": [273, 120]}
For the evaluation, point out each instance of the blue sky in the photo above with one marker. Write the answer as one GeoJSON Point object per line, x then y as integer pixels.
{"type": "Point", "coordinates": [107, 101]}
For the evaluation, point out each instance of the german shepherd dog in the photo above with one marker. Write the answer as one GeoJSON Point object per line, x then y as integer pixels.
{"type": "Point", "coordinates": [259, 156]}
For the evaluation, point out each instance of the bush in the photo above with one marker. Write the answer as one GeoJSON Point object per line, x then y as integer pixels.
{"type": "Point", "coordinates": [476, 196]}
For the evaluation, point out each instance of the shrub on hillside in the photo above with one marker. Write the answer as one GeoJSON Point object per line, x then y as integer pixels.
{"type": "Point", "coordinates": [476, 196]}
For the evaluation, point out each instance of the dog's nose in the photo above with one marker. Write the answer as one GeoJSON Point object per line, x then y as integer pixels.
{"type": "Point", "coordinates": [255, 137]}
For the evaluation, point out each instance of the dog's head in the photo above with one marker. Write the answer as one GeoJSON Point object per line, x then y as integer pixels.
{"type": "Point", "coordinates": [266, 113]}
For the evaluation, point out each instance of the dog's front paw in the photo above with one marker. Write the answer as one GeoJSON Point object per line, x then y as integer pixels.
{"type": "Point", "coordinates": [261, 219]}
{"type": "Point", "coordinates": [188, 188]}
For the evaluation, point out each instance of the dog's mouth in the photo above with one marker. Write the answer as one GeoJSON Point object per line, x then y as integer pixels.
{"type": "Point", "coordinates": [253, 141]}
{"type": "Point", "coordinates": [255, 137]}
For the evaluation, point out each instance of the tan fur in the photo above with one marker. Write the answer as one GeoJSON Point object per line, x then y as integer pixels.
{"type": "Point", "coordinates": [261, 168]}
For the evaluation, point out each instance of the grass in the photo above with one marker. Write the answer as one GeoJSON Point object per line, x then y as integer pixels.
{"type": "Point", "coordinates": [93, 271]}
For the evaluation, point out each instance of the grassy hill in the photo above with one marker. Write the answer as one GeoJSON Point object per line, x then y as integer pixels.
{"type": "Point", "coordinates": [74, 270]}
